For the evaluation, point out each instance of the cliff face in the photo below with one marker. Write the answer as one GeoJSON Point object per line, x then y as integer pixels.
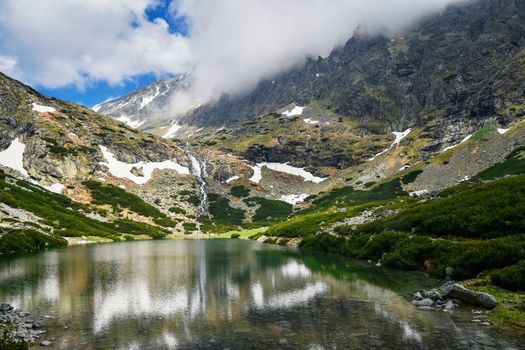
{"type": "Point", "coordinates": [461, 69]}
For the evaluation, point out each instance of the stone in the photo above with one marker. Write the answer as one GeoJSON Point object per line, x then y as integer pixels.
{"type": "Point", "coordinates": [38, 324]}
{"type": "Point", "coordinates": [417, 296]}
{"type": "Point", "coordinates": [45, 343]}
{"type": "Point", "coordinates": [449, 305]}
{"type": "Point", "coordinates": [486, 324]}
{"type": "Point", "coordinates": [423, 302]}
{"type": "Point", "coordinates": [475, 320]}
{"type": "Point", "coordinates": [432, 294]}
{"type": "Point", "coordinates": [23, 314]}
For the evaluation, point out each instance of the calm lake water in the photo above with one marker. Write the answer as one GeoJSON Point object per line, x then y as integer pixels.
{"type": "Point", "coordinates": [229, 294]}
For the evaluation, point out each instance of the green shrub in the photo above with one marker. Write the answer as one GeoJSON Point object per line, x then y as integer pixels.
{"type": "Point", "coordinates": [511, 277]}
{"type": "Point", "coordinates": [177, 210]}
{"type": "Point", "coordinates": [190, 226]}
{"type": "Point", "coordinates": [475, 211]}
{"type": "Point", "coordinates": [240, 191]}
{"type": "Point", "coordinates": [235, 235]}
{"type": "Point", "coordinates": [118, 198]}
{"type": "Point", "coordinates": [379, 244]}
{"type": "Point", "coordinates": [269, 210]}
{"type": "Point", "coordinates": [128, 237]}
{"type": "Point", "coordinates": [222, 212]}
{"type": "Point", "coordinates": [139, 228]}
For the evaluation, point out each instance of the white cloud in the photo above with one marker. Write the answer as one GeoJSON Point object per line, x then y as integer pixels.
{"type": "Point", "coordinates": [61, 42]}
{"type": "Point", "coordinates": [236, 43]}
{"type": "Point", "coordinates": [232, 44]}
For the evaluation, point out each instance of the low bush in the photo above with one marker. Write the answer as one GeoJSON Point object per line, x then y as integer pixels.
{"type": "Point", "coordinates": [511, 277]}
{"type": "Point", "coordinates": [235, 235]}
{"type": "Point", "coordinates": [240, 191]}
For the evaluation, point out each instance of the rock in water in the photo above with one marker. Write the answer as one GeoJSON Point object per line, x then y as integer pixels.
{"type": "Point", "coordinates": [457, 291]}
{"type": "Point", "coordinates": [45, 343]}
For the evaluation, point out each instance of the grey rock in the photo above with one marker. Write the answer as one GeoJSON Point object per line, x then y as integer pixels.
{"type": "Point", "coordinates": [417, 296]}
{"type": "Point", "coordinates": [45, 343]}
{"type": "Point", "coordinates": [486, 324]}
{"type": "Point", "coordinates": [432, 294]}
{"type": "Point", "coordinates": [423, 302]}
{"type": "Point", "coordinates": [449, 305]}
{"type": "Point", "coordinates": [38, 324]}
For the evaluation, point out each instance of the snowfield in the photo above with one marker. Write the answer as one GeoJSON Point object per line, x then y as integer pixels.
{"type": "Point", "coordinates": [55, 188]}
{"type": "Point", "coordinates": [293, 112]}
{"type": "Point", "coordinates": [129, 122]}
{"type": "Point", "coordinates": [171, 131]}
{"type": "Point", "coordinates": [43, 109]}
{"type": "Point", "coordinates": [123, 170]}
{"type": "Point", "coordinates": [283, 168]}
{"type": "Point", "coordinates": [294, 199]}
{"type": "Point", "coordinates": [233, 178]}
{"type": "Point", "coordinates": [13, 156]}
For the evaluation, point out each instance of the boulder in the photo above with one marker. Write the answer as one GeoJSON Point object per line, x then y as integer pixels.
{"type": "Point", "coordinates": [457, 291]}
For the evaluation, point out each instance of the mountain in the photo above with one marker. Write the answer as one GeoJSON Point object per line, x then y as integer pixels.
{"type": "Point", "coordinates": [460, 69]}
{"type": "Point", "coordinates": [145, 108]}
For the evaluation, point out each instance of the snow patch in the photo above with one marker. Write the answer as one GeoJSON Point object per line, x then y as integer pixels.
{"type": "Point", "coordinates": [55, 188]}
{"type": "Point", "coordinates": [288, 169]}
{"type": "Point", "coordinates": [404, 167]}
{"type": "Point", "coordinates": [400, 135]}
{"type": "Point", "coordinates": [462, 141]}
{"type": "Point", "coordinates": [294, 199]}
{"type": "Point", "coordinates": [123, 170]}
{"type": "Point", "coordinates": [233, 178]}
{"type": "Point", "coordinates": [146, 100]}
{"type": "Point", "coordinates": [172, 131]}
{"type": "Point", "coordinates": [43, 109]}
{"type": "Point", "coordinates": [257, 174]}
{"type": "Point", "coordinates": [418, 193]}
{"type": "Point", "coordinates": [502, 131]}
{"type": "Point", "coordinates": [293, 112]}
{"type": "Point", "coordinates": [130, 122]}
{"type": "Point", "coordinates": [13, 156]}
{"type": "Point", "coordinates": [311, 121]}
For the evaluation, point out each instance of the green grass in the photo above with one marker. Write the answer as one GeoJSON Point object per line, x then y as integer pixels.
{"type": "Point", "coordinates": [243, 234]}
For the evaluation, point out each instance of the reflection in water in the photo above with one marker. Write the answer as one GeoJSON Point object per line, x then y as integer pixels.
{"type": "Point", "coordinates": [227, 294]}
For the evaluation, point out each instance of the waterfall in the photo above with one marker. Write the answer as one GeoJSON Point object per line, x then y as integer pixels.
{"type": "Point", "coordinates": [198, 169]}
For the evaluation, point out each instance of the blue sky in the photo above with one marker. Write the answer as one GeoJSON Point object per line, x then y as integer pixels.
{"type": "Point", "coordinates": [100, 91]}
